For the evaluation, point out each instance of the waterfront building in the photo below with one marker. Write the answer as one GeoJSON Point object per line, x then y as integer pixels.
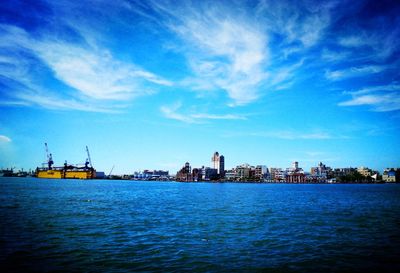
{"type": "Point", "coordinates": [364, 171]}
{"type": "Point", "coordinates": [261, 172]}
{"type": "Point", "coordinates": [218, 163]}
{"type": "Point", "coordinates": [296, 177]}
{"type": "Point", "coordinates": [243, 172]}
{"type": "Point", "coordinates": [339, 172]}
{"type": "Point", "coordinates": [209, 174]}
{"type": "Point", "coordinates": [215, 161]}
{"type": "Point", "coordinates": [230, 175]}
{"type": "Point", "coordinates": [196, 174]}
{"type": "Point", "coordinates": [184, 174]}
{"type": "Point", "coordinates": [319, 174]}
{"type": "Point", "coordinates": [221, 171]}
{"type": "Point", "coordinates": [295, 174]}
{"type": "Point", "coordinates": [277, 174]}
{"type": "Point", "coordinates": [391, 175]}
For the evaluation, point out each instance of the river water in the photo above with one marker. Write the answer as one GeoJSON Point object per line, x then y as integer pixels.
{"type": "Point", "coordinates": [125, 226]}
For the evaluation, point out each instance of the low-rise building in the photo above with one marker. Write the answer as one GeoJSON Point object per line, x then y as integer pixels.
{"type": "Point", "coordinates": [261, 172]}
{"type": "Point", "coordinates": [243, 172]}
{"type": "Point", "coordinates": [185, 173]}
{"type": "Point", "coordinates": [364, 171]}
{"type": "Point", "coordinates": [391, 175]}
{"type": "Point", "coordinates": [230, 175]}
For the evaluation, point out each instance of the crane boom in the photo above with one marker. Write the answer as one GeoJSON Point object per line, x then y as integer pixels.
{"type": "Point", "coordinates": [50, 161]}
{"type": "Point", "coordinates": [111, 170]}
{"type": "Point", "coordinates": [47, 151]}
{"type": "Point", "coordinates": [88, 154]}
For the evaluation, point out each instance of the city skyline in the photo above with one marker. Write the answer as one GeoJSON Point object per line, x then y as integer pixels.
{"type": "Point", "coordinates": [154, 84]}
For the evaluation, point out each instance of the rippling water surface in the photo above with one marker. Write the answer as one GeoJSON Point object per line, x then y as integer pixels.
{"type": "Point", "coordinates": [124, 226]}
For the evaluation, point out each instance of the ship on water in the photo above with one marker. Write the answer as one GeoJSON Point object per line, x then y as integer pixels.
{"type": "Point", "coordinates": [67, 171]}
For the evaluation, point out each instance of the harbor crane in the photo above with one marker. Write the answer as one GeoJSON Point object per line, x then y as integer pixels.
{"type": "Point", "coordinates": [88, 154]}
{"type": "Point", "coordinates": [50, 161]}
{"type": "Point", "coordinates": [111, 171]}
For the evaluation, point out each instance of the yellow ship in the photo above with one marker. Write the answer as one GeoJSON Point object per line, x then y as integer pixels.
{"type": "Point", "coordinates": [68, 171]}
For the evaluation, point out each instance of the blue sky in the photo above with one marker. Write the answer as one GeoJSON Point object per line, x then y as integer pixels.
{"type": "Point", "coordinates": [153, 84]}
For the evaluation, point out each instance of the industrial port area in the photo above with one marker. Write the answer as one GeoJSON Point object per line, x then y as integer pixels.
{"type": "Point", "coordinates": [244, 173]}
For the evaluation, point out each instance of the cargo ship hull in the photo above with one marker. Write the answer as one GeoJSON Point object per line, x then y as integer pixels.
{"type": "Point", "coordinates": [66, 174]}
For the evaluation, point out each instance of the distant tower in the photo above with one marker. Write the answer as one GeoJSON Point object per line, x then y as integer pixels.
{"type": "Point", "coordinates": [295, 165]}
{"type": "Point", "coordinates": [187, 168]}
{"type": "Point", "coordinates": [221, 166]}
{"type": "Point", "coordinates": [218, 163]}
{"type": "Point", "coordinates": [215, 161]}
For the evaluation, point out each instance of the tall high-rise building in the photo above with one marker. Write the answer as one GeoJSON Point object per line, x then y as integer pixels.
{"type": "Point", "coordinates": [215, 161]}
{"type": "Point", "coordinates": [221, 166]}
{"type": "Point", "coordinates": [218, 163]}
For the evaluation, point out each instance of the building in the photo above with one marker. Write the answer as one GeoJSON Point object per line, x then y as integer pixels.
{"type": "Point", "coordinates": [230, 175]}
{"type": "Point", "coordinates": [218, 163]}
{"type": "Point", "coordinates": [209, 173]}
{"type": "Point", "coordinates": [221, 166]}
{"type": "Point", "coordinates": [295, 174]}
{"type": "Point", "coordinates": [319, 174]}
{"type": "Point", "coordinates": [261, 172]}
{"type": "Point", "coordinates": [391, 175]}
{"type": "Point", "coordinates": [185, 173]}
{"type": "Point", "coordinates": [197, 174]}
{"type": "Point", "coordinates": [277, 174]}
{"type": "Point", "coordinates": [243, 171]}
{"type": "Point", "coordinates": [364, 171]}
{"type": "Point", "coordinates": [340, 172]}
{"type": "Point", "coordinates": [296, 177]}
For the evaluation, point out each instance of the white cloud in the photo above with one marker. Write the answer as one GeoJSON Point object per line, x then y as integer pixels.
{"type": "Point", "coordinates": [57, 103]}
{"type": "Point", "coordinates": [224, 49]}
{"type": "Point", "coordinates": [288, 135]}
{"type": "Point", "coordinates": [381, 43]}
{"type": "Point", "coordinates": [352, 41]}
{"type": "Point", "coordinates": [94, 74]}
{"type": "Point", "coordinates": [171, 112]}
{"type": "Point", "coordinates": [333, 56]}
{"type": "Point", "coordinates": [4, 139]}
{"type": "Point", "coordinates": [297, 22]}
{"type": "Point", "coordinates": [380, 88]}
{"type": "Point", "coordinates": [378, 103]}
{"type": "Point", "coordinates": [383, 98]}
{"type": "Point", "coordinates": [213, 116]}
{"type": "Point", "coordinates": [354, 72]}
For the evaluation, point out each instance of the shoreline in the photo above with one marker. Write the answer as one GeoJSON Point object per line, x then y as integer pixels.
{"type": "Point", "coordinates": [213, 182]}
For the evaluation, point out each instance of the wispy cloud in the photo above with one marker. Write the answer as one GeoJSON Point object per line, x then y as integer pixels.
{"type": "Point", "coordinates": [352, 72]}
{"type": "Point", "coordinates": [289, 135]}
{"type": "Point", "coordinates": [380, 88]}
{"type": "Point", "coordinates": [298, 22]}
{"type": "Point", "coordinates": [4, 139]}
{"type": "Point", "coordinates": [380, 43]}
{"type": "Point", "coordinates": [383, 98]}
{"type": "Point", "coordinates": [379, 103]}
{"type": "Point", "coordinates": [92, 72]}
{"type": "Point", "coordinates": [171, 112]}
{"type": "Point", "coordinates": [229, 49]}
{"type": "Point", "coordinates": [223, 52]}
{"type": "Point", "coordinates": [334, 56]}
